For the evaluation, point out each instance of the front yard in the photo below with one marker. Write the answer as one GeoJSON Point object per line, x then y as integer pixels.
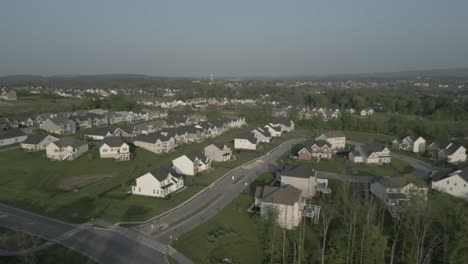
{"type": "Point", "coordinates": [395, 168]}
{"type": "Point", "coordinates": [337, 164]}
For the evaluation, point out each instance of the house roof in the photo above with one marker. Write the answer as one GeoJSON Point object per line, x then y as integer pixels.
{"type": "Point", "coordinates": [299, 171]}
{"type": "Point", "coordinates": [152, 137]}
{"type": "Point", "coordinates": [113, 142]}
{"type": "Point", "coordinates": [287, 195]}
{"type": "Point", "coordinates": [161, 173]}
{"type": "Point", "coordinates": [249, 136]}
{"type": "Point", "coordinates": [100, 131]}
{"type": "Point", "coordinates": [454, 147]}
{"type": "Point", "coordinates": [370, 148]}
{"type": "Point", "coordinates": [197, 155]}
{"type": "Point", "coordinates": [334, 134]}
{"type": "Point", "coordinates": [69, 142]}
{"type": "Point", "coordinates": [61, 120]}
{"type": "Point", "coordinates": [319, 143]}
{"type": "Point", "coordinates": [35, 139]}
{"type": "Point", "coordinates": [397, 182]}
{"type": "Point", "coordinates": [11, 133]}
{"type": "Point", "coordinates": [463, 173]}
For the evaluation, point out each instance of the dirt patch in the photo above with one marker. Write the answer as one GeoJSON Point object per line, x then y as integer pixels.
{"type": "Point", "coordinates": [77, 182]}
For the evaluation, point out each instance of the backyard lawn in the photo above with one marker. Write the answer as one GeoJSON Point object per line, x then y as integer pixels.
{"type": "Point", "coordinates": [336, 164]}
{"type": "Point", "coordinates": [396, 167]}
{"type": "Point", "coordinates": [365, 137]}
{"type": "Point", "coordinates": [31, 181]}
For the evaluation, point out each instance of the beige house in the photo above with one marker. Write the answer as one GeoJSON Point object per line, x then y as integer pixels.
{"type": "Point", "coordinates": [10, 95]}
{"type": "Point", "coordinates": [397, 191]}
{"type": "Point", "coordinates": [285, 202]}
{"type": "Point", "coordinates": [11, 136]}
{"type": "Point", "coordinates": [36, 142]}
{"type": "Point", "coordinates": [305, 179]}
{"type": "Point", "coordinates": [155, 142]}
{"type": "Point", "coordinates": [337, 139]}
{"type": "Point", "coordinates": [158, 183]}
{"type": "Point", "coordinates": [66, 149]}
{"type": "Point", "coordinates": [59, 125]}
{"type": "Point", "coordinates": [453, 153]}
{"type": "Point", "coordinates": [370, 154]}
{"type": "Point", "coordinates": [115, 148]}
{"type": "Point", "coordinates": [455, 183]}
{"type": "Point", "coordinates": [218, 152]}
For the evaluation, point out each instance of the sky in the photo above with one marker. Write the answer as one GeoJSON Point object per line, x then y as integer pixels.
{"type": "Point", "coordinates": [231, 38]}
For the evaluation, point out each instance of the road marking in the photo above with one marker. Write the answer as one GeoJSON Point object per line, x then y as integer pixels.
{"type": "Point", "coordinates": [142, 239]}
{"type": "Point", "coordinates": [69, 234]}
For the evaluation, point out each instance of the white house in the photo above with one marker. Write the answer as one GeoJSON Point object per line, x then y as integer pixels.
{"type": "Point", "coordinates": [262, 135]}
{"type": "Point", "coordinates": [11, 136]}
{"type": "Point", "coordinates": [246, 141]}
{"type": "Point", "coordinates": [59, 125]}
{"type": "Point", "coordinates": [287, 125]}
{"type": "Point", "coordinates": [114, 147]}
{"type": "Point", "coordinates": [158, 183]}
{"type": "Point", "coordinates": [99, 133]}
{"type": "Point", "coordinates": [337, 139]}
{"type": "Point", "coordinates": [453, 153]}
{"type": "Point", "coordinates": [285, 202]}
{"type": "Point", "coordinates": [455, 183]}
{"type": "Point", "coordinates": [305, 179]}
{"type": "Point", "coordinates": [191, 164]}
{"type": "Point", "coordinates": [218, 152]}
{"type": "Point", "coordinates": [275, 131]}
{"type": "Point", "coordinates": [417, 145]}
{"type": "Point", "coordinates": [156, 142]}
{"type": "Point", "coordinates": [370, 154]}
{"type": "Point", "coordinates": [367, 111]}
{"type": "Point", "coordinates": [397, 191]}
{"type": "Point", "coordinates": [37, 142]}
{"type": "Point", "coordinates": [66, 149]}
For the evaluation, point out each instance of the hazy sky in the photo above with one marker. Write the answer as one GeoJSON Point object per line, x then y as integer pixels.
{"type": "Point", "coordinates": [236, 37]}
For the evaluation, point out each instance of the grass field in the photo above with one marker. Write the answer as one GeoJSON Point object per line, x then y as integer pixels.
{"type": "Point", "coordinates": [396, 167]}
{"type": "Point", "coordinates": [365, 137]}
{"type": "Point", "coordinates": [31, 181]}
{"type": "Point", "coordinates": [336, 164]}
{"type": "Point", "coordinates": [35, 104]}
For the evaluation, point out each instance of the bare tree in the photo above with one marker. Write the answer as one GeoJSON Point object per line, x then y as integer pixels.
{"type": "Point", "coordinates": [327, 214]}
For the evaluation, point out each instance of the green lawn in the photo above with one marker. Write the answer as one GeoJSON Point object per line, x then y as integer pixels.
{"type": "Point", "coordinates": [365, 137]}
{"type": "Point", "coordinates": [414, 155]}
{"type": "Point", "coordinates": [395, 167]}
{"type": "Point", "coordinates": [35, 104]}
{"type": "Point", "coordinates": [336, 164]}
{"type": "Point", "coordinates": [29, 181]}
{"type": "Point", "coordinates": [233, 233]}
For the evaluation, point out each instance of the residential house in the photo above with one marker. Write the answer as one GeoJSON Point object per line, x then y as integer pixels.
{"type": "Point", "coordinates": [263, 136]}
{"type": "Point", "coordinates": [453, 153]}
{"type": "Point", "coordinates": [158, 183]}
{"type": "Point", "coordinates": [275, 131]}
{"type": "Point", "coordinates": [370, 154]}
{"type": "Point", "coordinates": [66, 149]}
{"type": "Point", "coordinates": [397, 191]}
{"type": "Point", "coordinates": [191, 164]}
{"type": "Point", "coordinates": [10, 95]}
{"type": "Point", "coordinates": [59, 125]}
{"type": "Point", "coordinates": [287, 125]}
{"type": "Point", "coordinates": [286, 202]}
{"type": "Point", "coordinates": [304, 178]}
{"type": "Point", "coordinates": [114, 147]}
{"type": "Point", "coordinates": [417, 145]}
{"type": "Point", "coordinates": [218, 152]}
{"type": "Point", "coordinates": [82, 121]}
{"type": "Point", "coordinates": [367, 111]}
{"type": "Point", "coordinates": [36, 142]}
{"type": "Point", "coordinates": [455, 183]}
{"type": "Point", "coordinates": [11, 136]}
{"type": "Point", "coordinates": [99, 133]}
{"type": "Point", "coordinates": [155, 142]}
{"type": "Point", "coordinates": [318, 149]}
{"type": "Point", "coordinates": [127, 131]}
{"type": "Point", "coordinates": [337, 139]}
{"type": "Point", "coordinates": [246, 141]}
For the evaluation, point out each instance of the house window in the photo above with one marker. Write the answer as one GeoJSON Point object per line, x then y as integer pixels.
{"type": "Point", "coordinates": [154, 191]}
{"type": "Point", "coordinates": [450, 188]}
{"type": "Point", "coordinates": [139, 189]}
{"type": "Point", "coordinates": [104, 150]}
{"type": "Point", "coordinates": [448, 181]}
{"type": "Point", "coordinates": [464, 185]}
{"type": "Point", "coordinates": [455, 184]}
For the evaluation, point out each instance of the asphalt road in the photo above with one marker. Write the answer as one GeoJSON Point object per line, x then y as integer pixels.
{"type": "Point", "coordinates": [103, 246]}
{"type": "Point", "coordinates": [219, 195]}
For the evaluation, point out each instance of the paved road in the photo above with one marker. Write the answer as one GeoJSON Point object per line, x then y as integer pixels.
{"type": "Point", "coordinates": [104, 246]}
{"type": "Point", "coordinates": [219, 195]}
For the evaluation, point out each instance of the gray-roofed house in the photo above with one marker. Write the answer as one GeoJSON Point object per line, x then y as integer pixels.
{"type": "Point", "coordinates": [10, 95]}
{"type": "Point", "coordinates": [99, 133]}
{"type": "Point", "coordinates": [191, 163]}
{"type": "Point", "coordinates": [114, 147]}
{"type": "Point", "coordinates": [337, 139]}
{"type": "Point", "coordinates": [315, 149]}
{"type": "Point", "coordinates": [11, 136]}
{"type": "Point", "coordinates": [158, 183]}
{"type": "Point", "coordinates": [262, 135]}
{"type": "Point", "coordinates": [454, 183]}
{"type": "Point", "coordinates": [66, 149]}
{"type": "Point", "coordinates": [305, 178]}
{"type": "Point", "coordinates": [285, 202]}
{"type": "Point", "coordinates": [370, 154]}
{"type": "Point", "coordinates": [396, 191]}
{"type": "Point", "coordinates": [36, 142]}
{"type": "Point", "coordinates": [155, 142]}
{"type": "Point", "coordinates": [59, 125]}
{"type": "Point", "coordinates": [453, 153]}
{"type": "Point", "coordinates": [219, 152]}
{"type": "Point", "coordinates": [246, 141]}
{"type": "Point", "coordinates": [287, 125]}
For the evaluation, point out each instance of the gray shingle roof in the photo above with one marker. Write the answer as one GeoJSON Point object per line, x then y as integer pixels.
{"type": "Point", "coordinates": [300, 171]}
{"type": "Point", "coordinates": [287, 195]}
{"type": "Point", "coordinates": [11, 133]}
{"type": "Point", "coordinates": [70, 142]}
{"type": "Point", "coordinates": [35, 139]}
{"type": "Point", "coordinates": [161, 173]}
{"type": "Point", "coordinates": [113, 141]}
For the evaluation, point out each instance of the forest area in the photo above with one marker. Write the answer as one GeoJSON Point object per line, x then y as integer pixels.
{"type": "Point", "coordinates": [354, 227]}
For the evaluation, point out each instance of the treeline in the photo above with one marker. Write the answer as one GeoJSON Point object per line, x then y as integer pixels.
{"type": "Point", "coordinates": [354, 227]}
